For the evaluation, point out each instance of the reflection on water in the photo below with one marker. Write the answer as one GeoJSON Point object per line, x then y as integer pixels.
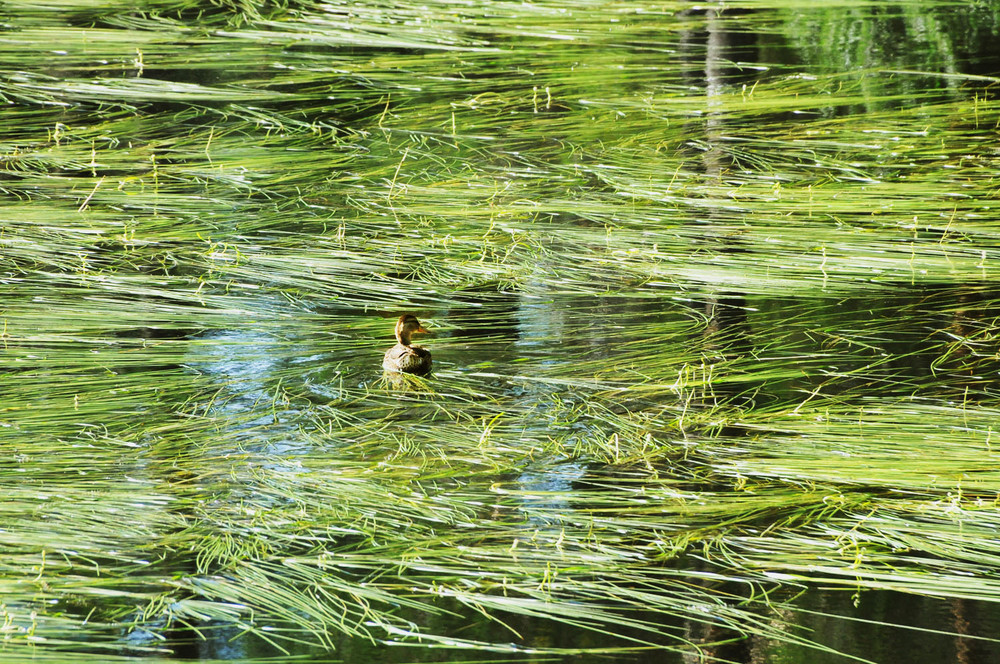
{"type": "Point", "coordinates": [626, 396]}
{"type": "Point", "coordinates": [933, 340]}
{"type": "Point", "coordinates": [885, 627]}
{"type": "Point", "coordinates": [892, 628]}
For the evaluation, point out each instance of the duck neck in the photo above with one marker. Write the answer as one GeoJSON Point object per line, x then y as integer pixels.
{"type": "Point", "coordinates": [403, 338]}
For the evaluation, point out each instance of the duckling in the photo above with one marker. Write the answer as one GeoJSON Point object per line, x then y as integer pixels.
{"type": "Point", "coordinates": [404, 357]}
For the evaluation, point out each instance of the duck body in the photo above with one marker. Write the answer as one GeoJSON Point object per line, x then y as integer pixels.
{"type": "Point", "coordinates": [404, 357]}
{"type": "Point", "coordinates": [407, 359]}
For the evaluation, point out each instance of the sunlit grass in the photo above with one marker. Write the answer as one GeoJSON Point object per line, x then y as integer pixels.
{"type": "Point", "coordinates": [690, 347]}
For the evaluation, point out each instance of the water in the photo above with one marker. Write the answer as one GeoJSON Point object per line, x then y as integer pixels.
{"type": "Point", "coordinates": [713, 313]}
{"type": "Point", "coordinates": [879, 626]}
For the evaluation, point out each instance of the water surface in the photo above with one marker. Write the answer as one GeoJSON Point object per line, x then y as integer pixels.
{"type": "Point", "coordinates": [713, 310]}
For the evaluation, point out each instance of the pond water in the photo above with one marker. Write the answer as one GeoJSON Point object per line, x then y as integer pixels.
{"type": "Point", "coordinates": [710, 290]}
{"type": "Point", "coordinates": [881, 627]}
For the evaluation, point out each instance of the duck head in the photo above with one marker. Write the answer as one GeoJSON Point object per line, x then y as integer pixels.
{"type": "Point", "coordinates": [407, 325]}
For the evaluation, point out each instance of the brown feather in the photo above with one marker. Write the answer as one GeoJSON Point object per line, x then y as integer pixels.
{"type": "Point", "coordinates": [405, 357]}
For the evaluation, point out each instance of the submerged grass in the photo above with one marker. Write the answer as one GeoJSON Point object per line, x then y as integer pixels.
{"type": "Point", "coordinates": [704, 332]}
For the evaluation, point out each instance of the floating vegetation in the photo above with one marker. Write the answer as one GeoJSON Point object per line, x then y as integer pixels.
{"type": "Point", "coordinates": [714, 325]}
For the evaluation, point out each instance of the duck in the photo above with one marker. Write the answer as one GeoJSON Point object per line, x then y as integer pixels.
{"type": "Point", "coordinates": [405, 357]}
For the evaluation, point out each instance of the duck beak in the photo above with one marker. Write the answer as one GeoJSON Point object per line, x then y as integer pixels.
{"type": "Point", "coordinates": [421, 329]}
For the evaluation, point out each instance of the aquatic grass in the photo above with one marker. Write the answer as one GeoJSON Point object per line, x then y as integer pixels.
{"type": "Point", "coordinates": [423, 565]}
{"type": "Point", "coordinates": [697, 346]}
